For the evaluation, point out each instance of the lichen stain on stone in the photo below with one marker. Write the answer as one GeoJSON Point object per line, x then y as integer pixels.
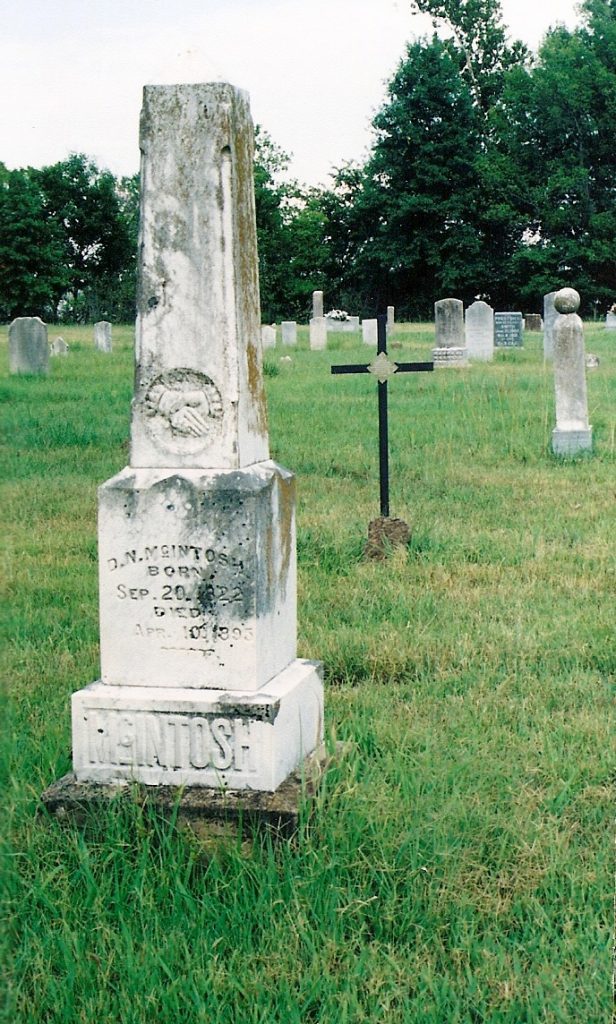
{"type": "Point", "coordinates": [255, 386]}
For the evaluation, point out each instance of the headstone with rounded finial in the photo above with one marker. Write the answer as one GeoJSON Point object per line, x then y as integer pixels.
{"type": "Point", "coordinates": [573, 432]}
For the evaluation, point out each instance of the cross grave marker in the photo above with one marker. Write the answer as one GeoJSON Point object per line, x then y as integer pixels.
{"type": "Point", "coordinates": [383, 368]}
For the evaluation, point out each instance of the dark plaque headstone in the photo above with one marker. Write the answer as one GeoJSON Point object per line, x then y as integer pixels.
{"type": "Point", "coordinates": [533, 322]}
{"type": "Point", "coordinates": [508, 330]}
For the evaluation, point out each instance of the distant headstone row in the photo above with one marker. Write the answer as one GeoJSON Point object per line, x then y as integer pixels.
{"type": "Point", "coordinates": [29, 349]}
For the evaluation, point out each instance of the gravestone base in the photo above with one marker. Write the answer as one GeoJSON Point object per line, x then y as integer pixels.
{"type": "Point", "coordinates": [209, 738]}
{"type": "Point", "coordinates": [449, 357]}
{"type": "Point", "coordinates": [209, 812]}
{"type": "Point", "coordinates": [384, 534]}
{"type": "Point", "coordinates": [570, 442]}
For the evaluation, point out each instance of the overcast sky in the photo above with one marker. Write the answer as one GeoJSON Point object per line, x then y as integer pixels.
{"type": "Point", "coordinates": [72, 71]}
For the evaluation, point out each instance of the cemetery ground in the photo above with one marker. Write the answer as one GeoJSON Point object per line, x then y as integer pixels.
{"type": "Point", "coordinates": [457, 863]}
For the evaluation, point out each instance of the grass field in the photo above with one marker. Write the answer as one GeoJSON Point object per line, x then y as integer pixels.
{"type": "Point", "coordinates": [457, 866]}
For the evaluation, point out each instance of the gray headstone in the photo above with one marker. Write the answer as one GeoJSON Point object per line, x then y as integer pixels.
{"type": "Point", "coordinates": [610, 322]}
{"type": "Point", "coordinates": [450, 342]}
{"type": "Point", "coordinates": [508, 330]}
{"type": "Point", "coordinates": [391, 317]}
{"type": "Point", "coordinates": [549, 318]}
{"type": "Point", "coordinates": [369, 332]}
{"type": "Point", "coordinates": [28, 346]}
{"type": "Point", "coordinates": [479, 329]}
{"type": "Point", "coordinates": [289, 332]}
{"type": "Point", "coordinates": [200, 682]}
{"type": "Point", "coordinates": [58, 347]}
{"type": "Point", "coordinates": [317, 305]}
{"type": "Point", "coordinates": [573, 432]}
{"type": "Point", "coordinates": [102, 336]}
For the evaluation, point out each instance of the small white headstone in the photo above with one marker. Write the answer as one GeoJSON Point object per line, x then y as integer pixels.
{"type": "Point", "coordinates": [369, 332]}
{"type": "Point", "coordinates": [289, 332]}
{"type": "Point", "coordinates": [58, 347]}
{"type": "Point", "coordinates": [391, 317]}
{"type": "Point", "coordinates": [28, 346]}
{"type": "Point", "coordinates": [479, 328]}
{"type": "Point", "coordinates": [268, 336]}
{"type": "Point", "coordinates": [573, 432]}
{"type": "Point", "coordinates": [102, 336]}
{"type": "Point", "coordinates": [318, 333]}
{"type": "Point", "coordinates": [610, 321]}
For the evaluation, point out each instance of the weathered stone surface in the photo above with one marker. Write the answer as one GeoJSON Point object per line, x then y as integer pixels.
{"type": "Point", "coordinates": [385, 534]}
{"type": "Point", "coordinates": [549, 318]}
{"type": "Point", "coordinates": [28, 346]}
{"type": "Point", "coordinates": [289, 332]}
{"type": "Point", "coordinates": [197, 577]}
{"type": "Point", "coordinates": [391, 317]}
{"type": "Point", "coordinates": [199, 397]}
{"type": "Point", "coordinates": [508, 330]}
{"type": "Point", "coordinates": [369, 330]}
{"type": "Point", "coordinates": [200, 683]}
{"type": "Point", "coordinates": [211, 813]}
{"type": "Point", "coordinates": [58, 347]}
{"type": "Point", "coordinates": [450, 343]}
{"type": "Point", "coordinates": [199, 738]}
{"type": "Point", "coordinates": [268, 336]}
{"type": "Point", "coordinates": [572, 433]}
{"type": "Point", "coordinates": [479, 329]}
{"type": "Point", "coordinates": [318, 333]}
{"type": "Point", "coordinates": [102, 336]}
{"type": "Point", "coordinates": [317, 305]}
{"type": "Point", "coordinates": [610, 321]}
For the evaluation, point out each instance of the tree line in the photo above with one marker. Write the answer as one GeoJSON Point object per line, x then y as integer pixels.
{"type": "Point", "coordinates": [492, 173]}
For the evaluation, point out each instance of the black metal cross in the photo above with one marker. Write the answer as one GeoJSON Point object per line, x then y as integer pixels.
{"type": "Point", "coordinates": [383, 368]}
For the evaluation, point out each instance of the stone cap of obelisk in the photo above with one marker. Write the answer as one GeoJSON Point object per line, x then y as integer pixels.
{"type": "Point", "coordinates": [199, 399]}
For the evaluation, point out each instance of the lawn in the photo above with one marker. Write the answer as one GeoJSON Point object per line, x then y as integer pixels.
{"type": "Point", "coordinates": [457, 866]}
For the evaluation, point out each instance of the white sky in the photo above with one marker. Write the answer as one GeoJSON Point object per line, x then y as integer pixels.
{"type": "Point", "coordinates": [72, 71]}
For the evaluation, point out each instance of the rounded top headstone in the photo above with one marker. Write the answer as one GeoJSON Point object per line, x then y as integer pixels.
{"type": "Point", "coordinates": [567, 300]}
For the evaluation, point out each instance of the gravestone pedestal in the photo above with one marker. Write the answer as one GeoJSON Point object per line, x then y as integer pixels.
{"type": "Point", "coordinates": [573, 432]}
{"type": "Point", "coordinates": [200, 684]}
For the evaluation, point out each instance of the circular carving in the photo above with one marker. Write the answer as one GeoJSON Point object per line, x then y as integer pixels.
{"type": "Point", "coordinates": [567, 300]}
{"type": "Point", "coordinates": [184, 410]}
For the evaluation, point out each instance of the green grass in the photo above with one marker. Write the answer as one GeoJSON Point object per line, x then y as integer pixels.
{"type": "Point", "coordinates": [457, 867]}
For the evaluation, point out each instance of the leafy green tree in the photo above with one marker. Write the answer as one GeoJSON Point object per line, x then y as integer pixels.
{"type": "Point", "coordinates": [407, 220]}
{"type": "Point", "coordinates": [83, 202]}
{"type": "Point", "coordinates": [32, 273]}
{"type": "Point", "coordinates": [555, 144]}
{"type": "Point", "coordinates": [476, 31]}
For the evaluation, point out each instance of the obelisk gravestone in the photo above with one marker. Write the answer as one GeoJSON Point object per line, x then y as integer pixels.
{"type": "Point", "coordinates": [200, 684]}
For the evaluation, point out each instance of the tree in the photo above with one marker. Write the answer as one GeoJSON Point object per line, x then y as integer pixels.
{"type": "Point", "coordinates": [84, 203]}
{"type": "Point", "coordinates": [476, 30]}
{"type": "Point", "coordinates": [555, 139]}
{"type": "Point", "coordinates": [32, 273]}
